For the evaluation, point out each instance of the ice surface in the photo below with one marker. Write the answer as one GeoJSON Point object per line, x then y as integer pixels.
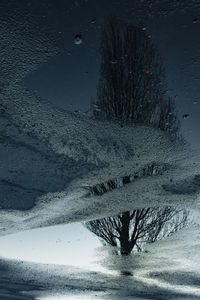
{"type": "Point", "coordinates": [49, 167]}
{"type": "Point", "coordinates": [51, 159]}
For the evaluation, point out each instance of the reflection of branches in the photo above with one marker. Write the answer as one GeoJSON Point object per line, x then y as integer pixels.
{"type": "Point", "coordinates": [132, 90]}
{"type": "Point", "coordinates": [132, 81]}
{"type": "Point", "coordinates": [132, 230]}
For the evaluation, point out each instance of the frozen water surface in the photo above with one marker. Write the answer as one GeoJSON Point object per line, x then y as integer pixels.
{"type": "Point", "coordinates": [62, 166]}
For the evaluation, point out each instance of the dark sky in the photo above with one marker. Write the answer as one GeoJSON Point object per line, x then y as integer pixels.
{"type": "Point", "coordinates": [69, 80]}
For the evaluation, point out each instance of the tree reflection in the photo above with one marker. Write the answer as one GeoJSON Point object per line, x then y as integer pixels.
{"type": "Point", "coordinates": [131, 230]}
{"type": "Point", "coordinates": [132, 89]}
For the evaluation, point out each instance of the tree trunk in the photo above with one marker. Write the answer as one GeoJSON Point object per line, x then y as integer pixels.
{"type": "Point", "coordinates": [125, 248]}
{"type": "Point", "coordinates": [126, 273]}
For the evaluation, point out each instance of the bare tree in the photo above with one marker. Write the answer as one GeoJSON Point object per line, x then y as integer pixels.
{"type": "Point", "coordinates": [132, 89]}
{"type": "Point", "coordinates": [131, 230]}
{"type": "Point", "coordinates": [132, 86]}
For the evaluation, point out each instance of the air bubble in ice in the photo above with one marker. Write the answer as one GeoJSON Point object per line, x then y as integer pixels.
{"type": "Point", "coordinates": [78, 39]}
{"type": "Point", "coordinates": [186, 116]}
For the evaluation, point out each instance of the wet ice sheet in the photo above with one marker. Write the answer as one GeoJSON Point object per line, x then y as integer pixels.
{"type": "Point", "coordinates": [86, 153]}
{"type": "Point", "coordinates": [178, 182]}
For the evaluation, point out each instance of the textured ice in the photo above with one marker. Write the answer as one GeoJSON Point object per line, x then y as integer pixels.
{"type": "Point", "coordinates": [51, 160]}
{"type": "Point", "coordinates": [54, 164]}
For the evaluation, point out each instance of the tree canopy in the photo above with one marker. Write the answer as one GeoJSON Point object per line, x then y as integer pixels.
{"type": "Point", "coordinates": [132, 86]}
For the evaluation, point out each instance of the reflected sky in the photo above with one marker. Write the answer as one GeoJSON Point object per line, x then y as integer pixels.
{"type": "Point", "coordinates": [65, 245]}
{"type": "Point", "coordinates": [71, 244]}
{"type": "Point", "coordinates": [69, 297]}
{"type": "Point", "coordinates": [74, 245]}
{"type": "Point", "coordinates": [81, 297]}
